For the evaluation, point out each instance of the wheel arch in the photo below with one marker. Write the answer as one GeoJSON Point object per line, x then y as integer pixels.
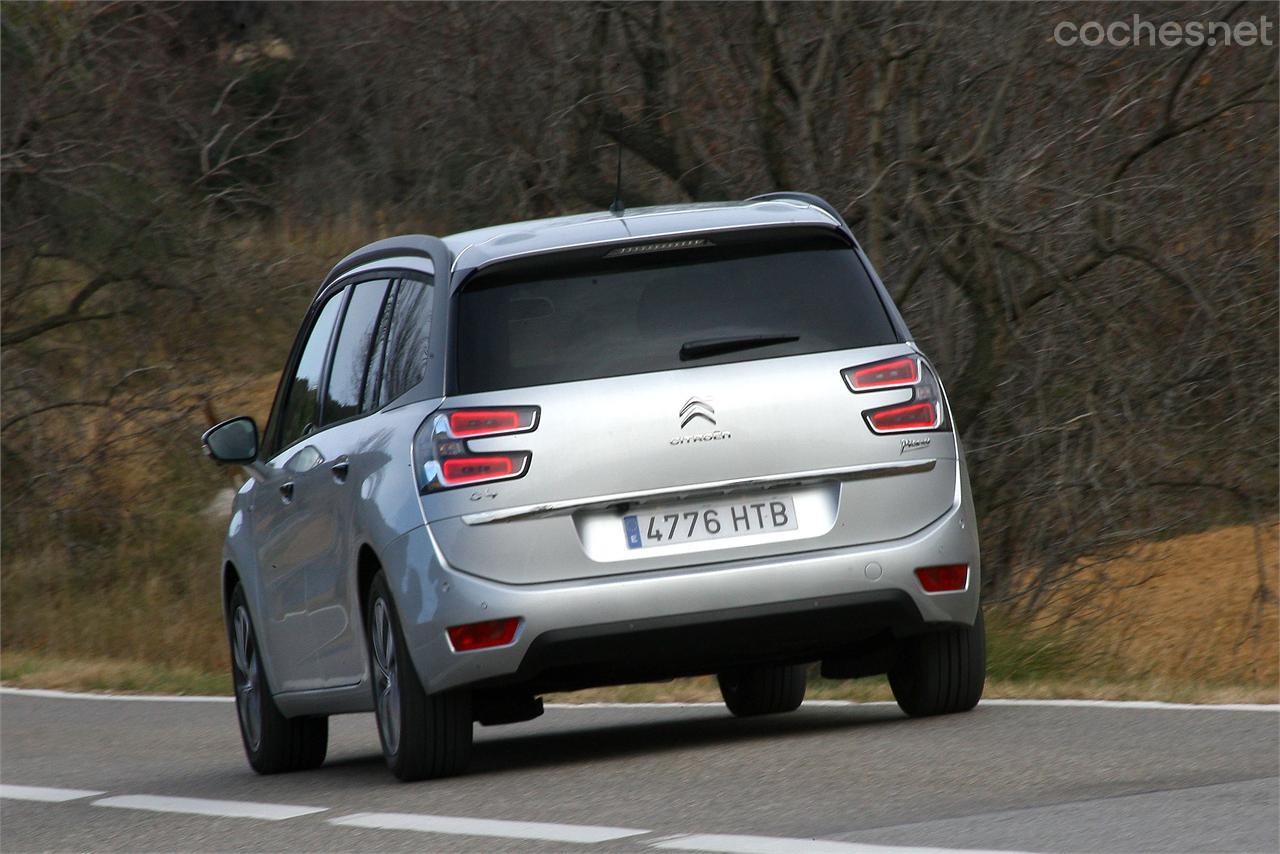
{"type": "Point", "coordinates": [230, 578]}
{"type": "Point", "coordinates": [368, 565]}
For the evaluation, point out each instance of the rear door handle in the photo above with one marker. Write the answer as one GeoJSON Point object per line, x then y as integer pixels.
{"type": "Point", "coordinates": [286, 491]}
{"type": "Point", "coordinates": [340, 469]}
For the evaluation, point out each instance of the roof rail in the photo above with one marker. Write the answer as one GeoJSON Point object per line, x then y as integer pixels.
{"type": "Point", "coordinates": [807, 198]}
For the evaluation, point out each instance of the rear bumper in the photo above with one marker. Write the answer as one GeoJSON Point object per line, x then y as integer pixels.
{"type": "Point", "coordinates": [656, 625]}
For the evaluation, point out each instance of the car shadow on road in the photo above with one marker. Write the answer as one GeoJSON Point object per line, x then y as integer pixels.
{"type": "Point", "coordinates": [496, 752]}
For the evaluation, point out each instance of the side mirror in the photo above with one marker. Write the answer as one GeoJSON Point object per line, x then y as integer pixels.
{"type": "Point", "coordinates": [233, 441]}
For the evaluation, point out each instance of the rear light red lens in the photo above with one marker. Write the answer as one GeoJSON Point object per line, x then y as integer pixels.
{"type": "Point", "coordinates": [912, 416]}
{"type": "Point", "coordinates": [944, 579]}
{"type": "Point", "coordinates": [483, 635]}
{"type": "Point", "coordinates": [470, 469]}
{"type": "Point", "coordinates": [442, 450]}
{"type": "Point", "coordinates": [923, 408]}
{"type": "Point", "coordinates": [895, 372]}
{"type": "Point", "coordinates": [481, 422]}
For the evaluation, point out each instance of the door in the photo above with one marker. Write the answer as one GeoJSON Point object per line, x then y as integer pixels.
{"type": "Point", "coordinates": [353, 454]}
{"type": "Point", "coordinates": [291, 527]}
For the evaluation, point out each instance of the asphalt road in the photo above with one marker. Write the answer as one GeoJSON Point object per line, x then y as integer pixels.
{"type": "Point", "coordinates": [827, 779]}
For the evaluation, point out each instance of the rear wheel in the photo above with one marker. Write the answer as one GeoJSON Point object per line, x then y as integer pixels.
{"type": "Point", "coordinates": [763, 690]}
{"type": "Point", "coordinates": [423, 735]}
{"type": "Point", "coordinates": [941, 672]}
{"type": "Point", "coordinates": [272, 742]}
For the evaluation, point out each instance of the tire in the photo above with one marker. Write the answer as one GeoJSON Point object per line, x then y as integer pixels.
{"type": "Point", "coordinates": [941, 672]}
{"type": "Point", "coordinates": [273, 743]}
{"type": "Point", "coordinates": [763, 690]}
{"type": "Point", "coordinates": [423, 735]}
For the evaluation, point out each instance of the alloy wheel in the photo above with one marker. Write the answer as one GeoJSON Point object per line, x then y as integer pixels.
{"type": "Point", "coordinates": [248, 679]}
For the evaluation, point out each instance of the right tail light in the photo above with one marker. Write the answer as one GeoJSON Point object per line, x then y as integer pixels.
{"type": "Point", "coordinates": [443, 457]}
{"type": "Point", "coordinates": [924, 410]}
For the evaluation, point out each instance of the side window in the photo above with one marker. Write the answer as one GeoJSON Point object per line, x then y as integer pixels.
{"type": "Point", "coordinates": [301, 410]}
{"type": "Point", "coordinates": [349, 374]}
{"type": "Point", "coordinates": [405, 360]}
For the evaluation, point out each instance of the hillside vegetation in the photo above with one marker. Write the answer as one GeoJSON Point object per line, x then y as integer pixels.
{"type": "Point", "coordinates": [1083, 239]}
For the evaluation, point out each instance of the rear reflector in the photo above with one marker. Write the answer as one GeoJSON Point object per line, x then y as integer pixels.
{"type": "Point", "coordinates": [895, 372]}
{"type": "Point", "coordinates": [912, 416]}
{"type": "Point", "coordinates": [483, 635]}
{"type": "Point", "coordinates": [470, 469]}
{"type": "Point", "coordinates": [482, 422]}
{"type": "Point", "coordinates": [943, 579]}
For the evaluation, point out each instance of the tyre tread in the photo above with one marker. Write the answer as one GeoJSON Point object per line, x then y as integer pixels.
{"type": "Point", "coordinates": [941, 672]}
{"type": "Point", "coordinates": [763, 690]}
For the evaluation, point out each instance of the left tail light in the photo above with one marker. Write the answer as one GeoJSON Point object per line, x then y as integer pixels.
{"type": "Point", "coordinates": [923, 410]}
{"type": "Point", "coordinates": [443, 457]}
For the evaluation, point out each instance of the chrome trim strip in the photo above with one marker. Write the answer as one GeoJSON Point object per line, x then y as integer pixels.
{"type": "Point", "coordinates": [555, 508]}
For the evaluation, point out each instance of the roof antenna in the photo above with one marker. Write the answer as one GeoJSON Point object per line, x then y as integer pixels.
{"type": "Point", "coordinates": [617, 207]}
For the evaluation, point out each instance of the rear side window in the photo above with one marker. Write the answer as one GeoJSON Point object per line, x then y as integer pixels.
{"type": "Point", "coordinates": [404, 361]}
{"type": "Point", "coordinates": [347, 393]}
{"type": "Point", "coordinates": [669, 310]}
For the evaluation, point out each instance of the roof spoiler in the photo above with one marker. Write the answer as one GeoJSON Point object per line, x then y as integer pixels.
{"type": "Point", "coordinates": [809, 199]}
{"type": "Point", "coordinates": [420, 245]}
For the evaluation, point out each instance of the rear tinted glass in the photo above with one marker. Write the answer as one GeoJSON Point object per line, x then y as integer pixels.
{"type": "Point", "coordinates": [613, 317]}
{"type": "Point", "coordinates": [408, 340]}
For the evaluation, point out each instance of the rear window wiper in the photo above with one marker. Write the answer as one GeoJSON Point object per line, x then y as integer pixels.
{"type": "Point", "coordinates": [705, 347]}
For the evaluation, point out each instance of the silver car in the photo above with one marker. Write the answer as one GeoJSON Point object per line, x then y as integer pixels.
{"type": "Point", "coordinates": [594, 450]}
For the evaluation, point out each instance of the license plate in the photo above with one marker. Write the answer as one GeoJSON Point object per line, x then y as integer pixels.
{"type": "Point", "coordinates": [710, 522]}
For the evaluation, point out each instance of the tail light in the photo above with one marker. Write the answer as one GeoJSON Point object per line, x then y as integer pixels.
{"type": "Point", "coordinates": [923, 410]}
{"type": "Point", "coordinates": [443, 456]}
{"type": "Point", "coordinates": [890, 374]}
{"type": "Point", "coordinates": [944, 579]}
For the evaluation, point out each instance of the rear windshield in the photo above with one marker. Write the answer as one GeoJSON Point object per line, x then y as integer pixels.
{"type": "Point", "coordinates": [664, 311]}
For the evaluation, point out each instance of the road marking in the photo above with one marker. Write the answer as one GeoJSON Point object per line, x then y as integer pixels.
{"type": "Point", "coordinates": [1150, 705]}
{"type": "Point", "coordinates": [204, 806]}
{"type": "Point", "coordinates": [731, 844]}
{"type": "Point", "coordinates": [1153, 705]}
{"type": "Point", "coordinates": [41, 793]}
{"type": "Point", "coordinates": [485, 827]}
{"type": "Point", "coordinates": [145, 698]}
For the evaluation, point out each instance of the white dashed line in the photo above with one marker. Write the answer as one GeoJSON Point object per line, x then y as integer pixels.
{"type": "Point", "coordinates": [204, 806]}
{"type": "Point", "coordinates": [485, 827]}
{"type": "Point", "coordinates": [42, 793]}
{"type": "Point", "coordinates": [730, 844]}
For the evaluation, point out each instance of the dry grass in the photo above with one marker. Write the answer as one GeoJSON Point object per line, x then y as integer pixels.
{"type": "Point", "coordinates": [22, 670]}
{"type": "Point", "coordinates": [1199, 608]}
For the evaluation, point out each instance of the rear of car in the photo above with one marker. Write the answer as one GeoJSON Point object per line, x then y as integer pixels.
{"type": "Point", "coordinates": [688, 455]}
